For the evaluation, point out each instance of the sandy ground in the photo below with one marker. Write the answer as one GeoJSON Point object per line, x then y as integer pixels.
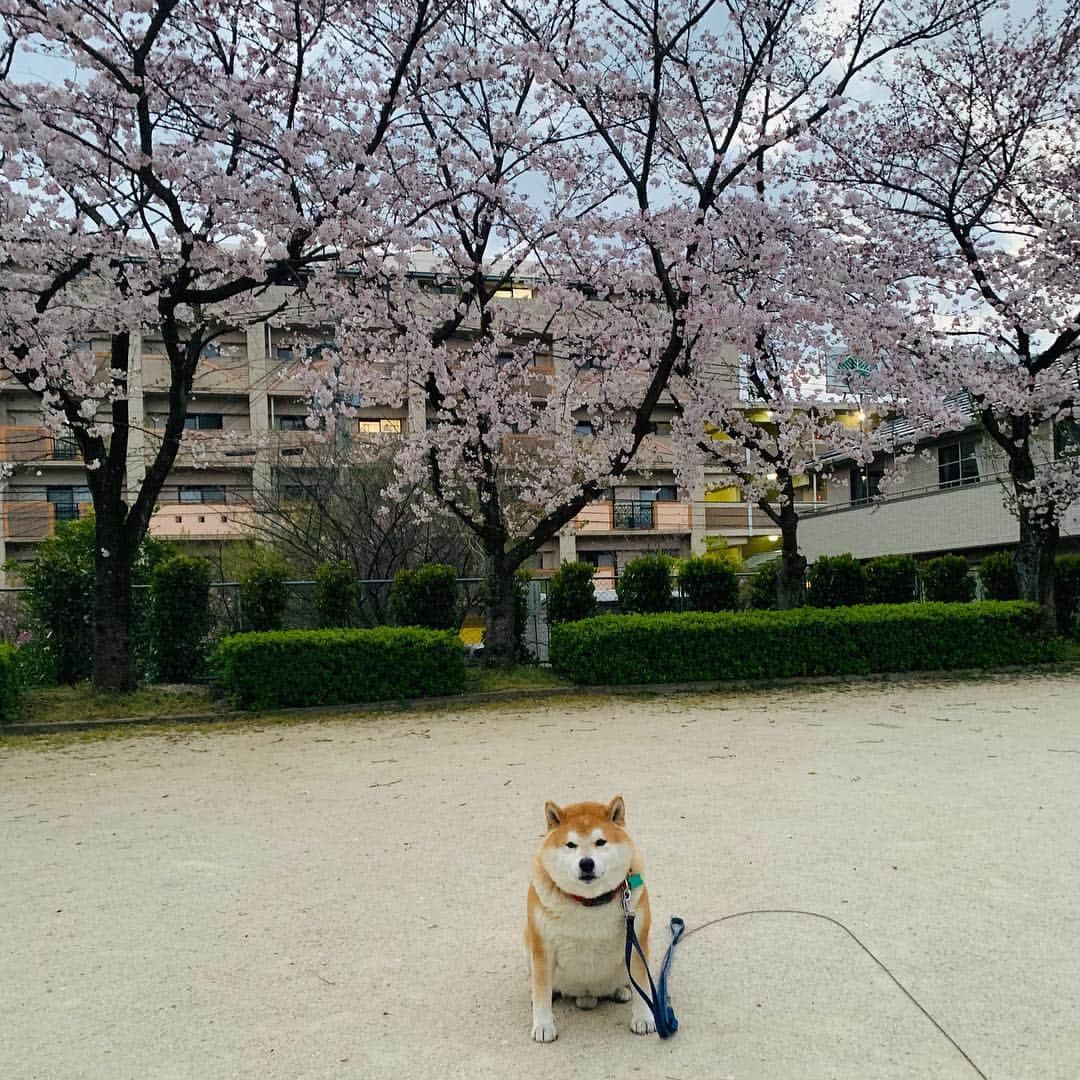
{"type": "Point", "coordinates": [345, 899]}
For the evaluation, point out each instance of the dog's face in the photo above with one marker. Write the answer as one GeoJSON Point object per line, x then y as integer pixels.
{"type": "Point", "coordinates": [587, 850]}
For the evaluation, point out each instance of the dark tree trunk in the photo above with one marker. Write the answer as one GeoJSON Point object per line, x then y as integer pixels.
{"type": "Point", "coordinates": [114, 658]}
{"type": "Point", "coordinates": [1039, 532]}
{"type": "Point", "coordinates": [501, 646]}
{"type": "Point", "coordinates": [791, 581]}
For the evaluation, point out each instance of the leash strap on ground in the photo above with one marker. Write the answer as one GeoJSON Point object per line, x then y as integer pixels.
{"type": "Point", "coordinates": [659, 1006]}
{"type": "Point", "coordinates": [786, 911]}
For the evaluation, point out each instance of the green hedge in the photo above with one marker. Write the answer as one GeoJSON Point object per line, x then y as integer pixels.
{"type": "Point", "coordinates": [336, 667]}
{"type": "Point", "coordinates": [9, 687]}
{"type": "Point", "coordinates": [696, 646]}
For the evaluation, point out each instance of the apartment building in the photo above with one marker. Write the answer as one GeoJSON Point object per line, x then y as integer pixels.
{"type": "Point", "coordinates": [247, 433]}
{"type": "Point", "coordinates": [952, 498]}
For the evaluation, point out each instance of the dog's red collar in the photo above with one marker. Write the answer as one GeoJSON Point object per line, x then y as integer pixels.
{"type": "Point", "coordinates": [596, 901]}
{"type": "Point", "coordinates": [632, 882]}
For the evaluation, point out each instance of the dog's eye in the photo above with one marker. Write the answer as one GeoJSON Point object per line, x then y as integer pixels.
{"type": "Point", "coordinates": [570, 843]}
{"type": "Point", "coordinates": [601, 842]}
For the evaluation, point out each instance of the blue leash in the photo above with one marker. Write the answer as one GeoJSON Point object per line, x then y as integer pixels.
{"type": "Point", "coordinates": [659, 1006]}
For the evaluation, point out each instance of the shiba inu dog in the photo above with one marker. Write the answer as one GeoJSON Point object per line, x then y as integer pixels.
{"type": "Point", "coordinates": [575, 931]}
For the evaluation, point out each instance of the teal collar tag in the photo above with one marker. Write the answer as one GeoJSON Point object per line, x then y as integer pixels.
{"type": "Point", "coordinates": [635, 881]}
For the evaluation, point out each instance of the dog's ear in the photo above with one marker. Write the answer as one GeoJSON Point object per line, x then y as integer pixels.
{"type": "Point", "coordinates": [617, 811]}
{"type": "Point", "coordinates": [553, 814]}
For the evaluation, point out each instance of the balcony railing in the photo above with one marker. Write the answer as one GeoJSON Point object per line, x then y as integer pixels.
{"type": "Point", "coordinates": [625, 515]}
{"type": "Point", "coordinates": [24, 443]}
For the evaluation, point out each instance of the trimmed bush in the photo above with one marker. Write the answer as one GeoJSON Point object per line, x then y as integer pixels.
{"type": "Point", "coordinates": [427, 597]}
{"type": "Point", "coordinates": [337, 595]}
{"type": "Point", "coordinates": [836, 581]}
{"type": "Point", "coordinates": [180, 617]}
{"type": "Point", "coordinates": [338, 667]}
{"type": "Point", "coordinates": [997, 573]}
{"type": "Point", "coordinates": [264, 596]}
{"type": "Point", "coordinates": [693, 646]}
{"type": "Point", "coordinates": [709, 584]}
{"type": "Point", "coordinates": [1067, 594]}
{"type": "Point", "coordinates": [571, 595]}
{"type": "Point", "coordinates": [892, 579]}
{"type": "Point", "coordinates": [645, 584]}
{"type": "Point", "coordinates": [9, 686]}
{"type": "Point", "coordinates": [60, 600]}
{"type": "Point", "coordinates": [946, 579]}
{"type": "Point", "coordinates": [763, 586]}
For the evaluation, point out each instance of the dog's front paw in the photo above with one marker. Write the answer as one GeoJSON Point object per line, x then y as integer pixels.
{"type": "Point", "coordinates": [586, 1002]}
{"type": "Point", "coordinates": [643, 1025]}
{"type": "Point", "coordinates": [544, 1031]}
{"type": "Point", "coordinates": [624, 993]}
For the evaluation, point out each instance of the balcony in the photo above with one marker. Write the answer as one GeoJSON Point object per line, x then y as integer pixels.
{"type": "Point", "coordinates": [31, 522]}
{"type": "Point", "coordinates": [202, 521]}
{"type": "Point", "coordinates": [919, 520]}
{"type": "Point", "coordinates": [619, 516]}
{"type": "Point", "coordinates": [23, 443]}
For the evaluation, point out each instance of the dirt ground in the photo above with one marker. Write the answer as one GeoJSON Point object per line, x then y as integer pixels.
{"type": "Point", "coordinates": [345, 899]}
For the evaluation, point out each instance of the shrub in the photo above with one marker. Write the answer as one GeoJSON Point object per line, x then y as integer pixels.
{"type": "Point", "coordinates": [427, 597]}
{"type": "Point", "coordinates": [946, 579]}
{"type": "Point", "coordinates": [9, 687]}
{"type": "Point", "coordinates": [645, 584]}
{"type": "Point", "coordinates": [997, 573]}
{"type": "Point", "coordinates": [264, 596]}
{"type": "Point", "coordinates": [836, 581]}
{"type": "Point", "coordinates": [180, 616]}
{"type": "Point", "coordinates": [693, 646]}
{"type": "Point", "coordinates": [337, 595]}
{"type": "Point", "coordinates": [892, 579]}
{"type": "Point", "coordinates": [763, 586]}
{"type": "Point", "coordinates": [1067, 593]}
{"type": "Point", "coordinates": [709, 584]}
{"type": "Point", "coordinates": [336, 667]}
{"type": "Point", "coordinates": [571, 595]}
{"type": "Point", "coordinates": [60, 598]}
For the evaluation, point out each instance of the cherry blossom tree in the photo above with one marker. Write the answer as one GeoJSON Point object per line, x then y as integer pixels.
{"type": "Point", "coordinates": [688, 102]}
{"type": "Point", "coordinates": [178, 168]}
{"type": "Point", "coordinates": [967, 170]}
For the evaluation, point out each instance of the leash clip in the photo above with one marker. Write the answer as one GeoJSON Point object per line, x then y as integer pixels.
{"type": "Point", "coordinates": [627, 901]}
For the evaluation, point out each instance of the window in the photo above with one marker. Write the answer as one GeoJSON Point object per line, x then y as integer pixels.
{"type": "Point", "coordinates": [292, 423]}
{"type": "Point", "coordinates": [283, 354]}
{"type": "Point", "coordinates": [210, 351]}
{"type": "Point", "coordinates": [819, 492]}
{"type": "Point", "coordinates": [661, 428]}
{"type": "Point", "coordinates": [203, 422]}
{"type": "Point", "coordinates": [584, 429]}
{"type": "Point", "coordinates": [384, 425]}
{"type": "Point", "coordinates": [866, 482]}
{"type": "Point", "coordinates": [1067, 438]}
{"type": "Point", "coordinates": [957, 463]}
{"type": "Point", "coordinates": [66, 501]}
{"type": "Point", "coordinates": [662, 493]}
{"type": "Point", "coordinates": [64, 448]}
{"type": "Point", "coordinates": [588, 362]}
{"type": "Point", "coordinates": [202, 493]}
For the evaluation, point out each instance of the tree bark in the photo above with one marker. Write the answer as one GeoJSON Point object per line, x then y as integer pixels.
{"type": "Point", "coordinates": [1038, 540]}
{"type": "Point", "coordinates": [501, 646]}
{"type": "Point", "coordinates": [791, 581]}
{"type": "Point", "coordinates": [114, 657]}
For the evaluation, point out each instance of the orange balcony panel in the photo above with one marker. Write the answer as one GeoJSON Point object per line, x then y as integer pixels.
{"type": "Point", "coordinates": [596, 517]}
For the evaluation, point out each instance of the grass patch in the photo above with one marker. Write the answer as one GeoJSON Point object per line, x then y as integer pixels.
{"type": "Point", "coordinates": [481, 680]}
{"type": "Point", "coordinates": [64, 704]}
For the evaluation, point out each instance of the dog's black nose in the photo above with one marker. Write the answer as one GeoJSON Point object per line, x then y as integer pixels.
{"type": "Point", "coordinates": [587, 866]}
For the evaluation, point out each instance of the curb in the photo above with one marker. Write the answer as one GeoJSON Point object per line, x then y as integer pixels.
{"type": "Point", "coordinates": [541, 694]}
